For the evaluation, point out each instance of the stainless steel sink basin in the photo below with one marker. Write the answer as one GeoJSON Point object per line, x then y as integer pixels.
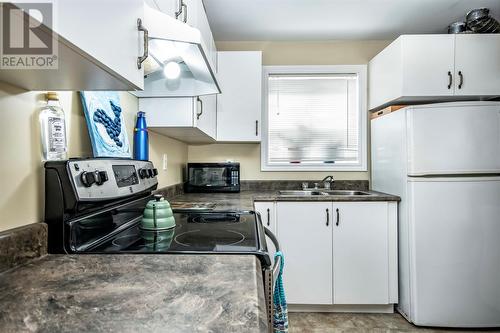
{"type": "Point", "coordinates": [291, 193]}
{"type": "Point", "coordinates": [345, 192]}
{"type": "Point", "coordinates": [301, 193]}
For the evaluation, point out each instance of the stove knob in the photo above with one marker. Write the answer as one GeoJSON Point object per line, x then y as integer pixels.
{"type": "Point", "coordinates": [155, 172]}
{"type": "Point", "coordinates": [150, 173]}
{"type": "Point", "coordinates": [87, 178]}
{"type": "Point", "coordinates": [143, 173]}
{"type": "Point", "coordinates": [102, 177]}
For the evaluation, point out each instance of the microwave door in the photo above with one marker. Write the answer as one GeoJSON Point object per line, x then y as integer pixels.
{"type": "Point", "coordinates": [213, 177]}
{"type": "Point", "coordinates": [209, 177]}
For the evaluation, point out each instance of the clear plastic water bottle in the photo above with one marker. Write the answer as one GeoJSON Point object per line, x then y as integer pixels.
{"type": "Point", "coordinates": [53, 129]}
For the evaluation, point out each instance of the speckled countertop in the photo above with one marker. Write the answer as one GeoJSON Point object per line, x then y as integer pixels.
{"type": "Point", "coordinates": [134, 293]}
{"type": "Point", "coordinates": [245, 199]}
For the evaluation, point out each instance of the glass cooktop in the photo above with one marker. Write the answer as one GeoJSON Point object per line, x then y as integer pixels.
{"type": "Point", "coordinates": [231, 232]}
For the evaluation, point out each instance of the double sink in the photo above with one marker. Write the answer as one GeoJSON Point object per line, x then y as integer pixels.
{"type": "Point", "coordinates": [321, 192]}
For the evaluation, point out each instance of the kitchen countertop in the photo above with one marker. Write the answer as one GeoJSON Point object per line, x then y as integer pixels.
{"type": "Point", "coordinates": [244, 200]}
{"type": "Point", "coordinates": [134, 293]}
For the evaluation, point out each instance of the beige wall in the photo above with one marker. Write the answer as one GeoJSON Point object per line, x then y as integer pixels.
{"type": "Point", "coordinates": [22, 183]}
{"type": "Point", "coordinates": [288, 53]}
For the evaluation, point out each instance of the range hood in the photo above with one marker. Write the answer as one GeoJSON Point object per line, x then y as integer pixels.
{"type": "Point", "coordinates": [172, 40]}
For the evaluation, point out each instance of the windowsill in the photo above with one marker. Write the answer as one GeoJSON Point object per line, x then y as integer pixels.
{"type": "Point", "coordinates": [299, 168]}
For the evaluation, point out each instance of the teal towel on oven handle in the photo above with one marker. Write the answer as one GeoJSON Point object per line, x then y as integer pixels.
{"type": "Point", "coordinates": [279, 300]}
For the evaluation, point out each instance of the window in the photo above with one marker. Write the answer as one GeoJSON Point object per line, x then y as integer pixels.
{"type": "Point", "coordinates": [315, 118]}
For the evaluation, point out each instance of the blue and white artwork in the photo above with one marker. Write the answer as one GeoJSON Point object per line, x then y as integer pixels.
{"type": "Point", "coordinates": [105, 123]}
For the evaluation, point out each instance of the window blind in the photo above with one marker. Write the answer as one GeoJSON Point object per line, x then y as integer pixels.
{"type": "Point", "coordinates": [313, 119]}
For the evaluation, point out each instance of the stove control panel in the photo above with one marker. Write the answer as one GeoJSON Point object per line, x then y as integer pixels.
{"type": "Point", "coordinates": [105, 179]}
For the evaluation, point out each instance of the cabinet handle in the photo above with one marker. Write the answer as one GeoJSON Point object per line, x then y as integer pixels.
{"type": "Point", "coordinates": [461, 82]}
{"type": "Point", "coordinates": [182, 10]}
{"type": "Point", "coordinates": [338, 218]}
{"type": "Point", "coordinates": [198, 114]}
{"type": "Point", "coordinates": [145, 54]}
{"type": "Point", "coordinates": [450, 79]}
{"type": "Point", "coordinates": [256, 128]}
{"type": "Point", "coordinates": [268, 218]}
{"type": "Point", "coordinates": [327, 217]}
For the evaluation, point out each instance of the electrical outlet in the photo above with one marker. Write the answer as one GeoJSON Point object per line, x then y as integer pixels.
{"type": "Point", "coordinates": [164, 161]}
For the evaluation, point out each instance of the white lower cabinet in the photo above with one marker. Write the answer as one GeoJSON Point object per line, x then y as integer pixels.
{"type": "Point", "coordinates": [339, 253]}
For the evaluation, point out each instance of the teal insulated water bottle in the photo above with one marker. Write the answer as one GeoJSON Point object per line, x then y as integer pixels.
{"type": "Point", "coordinates": [141, 146]}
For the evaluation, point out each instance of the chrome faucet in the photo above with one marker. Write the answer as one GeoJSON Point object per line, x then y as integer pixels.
{"type": "Point", "coordinates": [327, 182]}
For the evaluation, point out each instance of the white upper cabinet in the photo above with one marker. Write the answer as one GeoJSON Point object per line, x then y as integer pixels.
{"type": "Point", "coordinates": [438, 50]}
{"type": "Point", "coordinates": [169, 7]}
{"type": "Point", "coordinates": [197, 18]}
{"type": "Point", "coordinates": [206, 115]}
{"type": "Point", "coordinates": [240, 104]}
{"type": "Point", "coordinates": [97, 49]}
{"type": "Point", "coordinates": [477, 64]}
{"type": "Point", "coordinates": [426, 68]}
{"type": "Point", "coordinates": [195, 15]}
{"type": "Point", "coordinates": [188, 119]}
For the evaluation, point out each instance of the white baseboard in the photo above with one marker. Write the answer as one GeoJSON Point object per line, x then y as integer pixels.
{"type": "Point", "coordinates": [361, 308]}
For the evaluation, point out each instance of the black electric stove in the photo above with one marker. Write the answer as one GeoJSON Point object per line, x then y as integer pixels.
{"type": "Point", "coordinates": [96, 206]}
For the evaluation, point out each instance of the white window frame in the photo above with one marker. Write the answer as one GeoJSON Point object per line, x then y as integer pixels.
{"type": "Point", "coordinates": [361, 71]}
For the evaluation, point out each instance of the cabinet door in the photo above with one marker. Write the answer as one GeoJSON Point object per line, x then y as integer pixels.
{"type": "Point", "coordinates": [427, 60]}
{"type": "Point", "coordinates": [205, 114]}
{"type": "Point", "coordinates": [168, 7]}
{"type": "Point", "coordinates": [477, 59]}
{"type": "Point", "coordinates": [197, 18]}
{"type": "Point", "coordinates": [360, 253]}
{"type": "Point", "coordinates": [305, 235]}
{"type": "Point", "coordinates": [239, 105]}
{"type": "Point", "coordinates": [168, 112]}
{"type": "Point", "coordinates": [113, 40]}
{"type": "Point", "coordinates": [267, 213]}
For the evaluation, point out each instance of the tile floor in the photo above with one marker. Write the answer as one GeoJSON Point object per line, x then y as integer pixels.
{"type": "Point", "coordinates": [349, 322]}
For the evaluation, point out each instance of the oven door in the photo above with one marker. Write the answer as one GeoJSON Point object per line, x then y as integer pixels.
{"type": "Point", "coordinates": [213, 177]}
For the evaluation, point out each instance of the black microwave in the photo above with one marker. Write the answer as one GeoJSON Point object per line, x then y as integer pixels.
{"type": "Point", "coordinates": [212, 177]}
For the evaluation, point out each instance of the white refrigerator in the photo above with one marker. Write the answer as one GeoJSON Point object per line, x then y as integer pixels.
{"type": "Point", "coordinates": [444, 161]}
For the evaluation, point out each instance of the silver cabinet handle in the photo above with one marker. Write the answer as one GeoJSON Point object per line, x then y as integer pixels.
{"type": "Point", "coordinates": [338, 218]}
{"type": "Point", "coordinates": [450, 79]}
{"type": "Point", "coordinates": [198, 114]}
{"type": "Point", "coordinates": [141, 59]}
{"type": "Point", "coordinates": [327, 217]}
{"type": "Point", "coordinates": [182, 10]}
{"type": "Point", "coordinates": [268, 217]}
{"type": "Point", "coordinates": [461, 82]}
{"type": "Point", "coordinates": [256, 128]}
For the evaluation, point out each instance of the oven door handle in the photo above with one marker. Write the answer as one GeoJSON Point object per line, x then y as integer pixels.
{"type": "Point", "coordinates": [277, 263]}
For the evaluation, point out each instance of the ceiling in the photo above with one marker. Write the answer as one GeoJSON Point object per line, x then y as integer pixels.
{"type": "Point", "coordinates": [253, 20]}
